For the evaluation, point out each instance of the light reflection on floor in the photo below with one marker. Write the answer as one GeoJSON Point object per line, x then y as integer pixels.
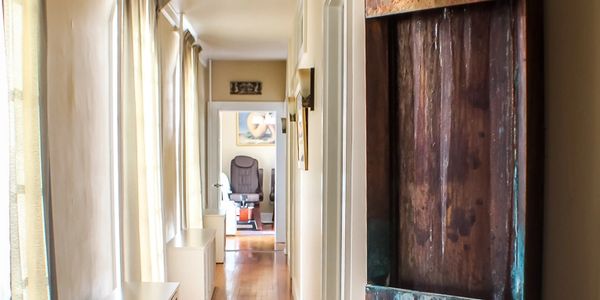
{"type": "Point", "coordinates": [253, 269]}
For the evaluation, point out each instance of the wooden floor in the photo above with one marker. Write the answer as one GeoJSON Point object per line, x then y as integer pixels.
{"type": "Point", "coordinates": [252, 270]}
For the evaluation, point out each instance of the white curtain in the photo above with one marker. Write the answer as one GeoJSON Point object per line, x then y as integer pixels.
{"type": "Point", "coordinates": [169, 49]}
{"type": "Point", "coordinates": [144, 241]}
{"type": "Point", "coordinates": [193, 191]}
{"type": "Point", "coordinates": [28, 264]}
{"type": "Point", "coordinates": [4, 174]}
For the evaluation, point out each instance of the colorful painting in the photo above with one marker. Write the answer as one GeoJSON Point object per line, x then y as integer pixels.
{"type": "Point", "coordinates": [256, 128]}
{"type": "Point", "coordinates": [376, 8]}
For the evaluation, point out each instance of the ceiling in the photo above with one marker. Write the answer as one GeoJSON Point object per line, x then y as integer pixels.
{"type": "Point", "coordinates": [240, 29]}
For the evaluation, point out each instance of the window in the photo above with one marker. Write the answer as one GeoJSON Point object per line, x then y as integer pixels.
{"type": "Point", "coordinates": [21, 175]}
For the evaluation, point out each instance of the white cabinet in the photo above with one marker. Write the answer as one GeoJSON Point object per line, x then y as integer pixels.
{"type": "Point", "coordinates": [215, 219]}
{"type": "Point", "coordinates": [146, 291]}
{"type": "Point", "coordinates": [191, 261]}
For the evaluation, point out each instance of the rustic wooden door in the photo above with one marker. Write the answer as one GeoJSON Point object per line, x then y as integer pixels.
{"type": "Point", "coordinates": [455, 151]}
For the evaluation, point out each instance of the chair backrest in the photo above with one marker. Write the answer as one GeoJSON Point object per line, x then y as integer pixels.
{"type": "Point", "coordinates": [244, 175]}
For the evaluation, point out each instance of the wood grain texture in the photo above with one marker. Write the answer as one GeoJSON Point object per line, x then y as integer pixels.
{"type": "Point", "coordinates": [377, 8]}
{"type": "Point", "coordinates": [253, 272]}
{"type": "Point", "coordinates": [453, 160]}
{"type": "Point", "coordinates": [379, 212]}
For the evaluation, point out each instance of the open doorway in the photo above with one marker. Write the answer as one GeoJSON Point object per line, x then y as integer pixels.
{"type": "Point", "coordinates": [248, 170]}
{"type": "Point", "coordinates": [247, 167]}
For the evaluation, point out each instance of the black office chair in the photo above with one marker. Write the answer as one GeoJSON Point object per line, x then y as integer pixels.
{"type": "Point", "coordinates": [246, 185]}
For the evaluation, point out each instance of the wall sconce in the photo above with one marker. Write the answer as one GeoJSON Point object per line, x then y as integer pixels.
{"type": "Point", "coordinates": [292, 109]}
{"type": "Point", "coordinates": [307, 87]}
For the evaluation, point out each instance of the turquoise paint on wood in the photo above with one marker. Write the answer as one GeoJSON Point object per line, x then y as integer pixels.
{"type": "Point", "coordinates": [388, 293]}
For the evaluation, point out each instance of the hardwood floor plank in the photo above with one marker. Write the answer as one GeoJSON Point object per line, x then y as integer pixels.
{"type": "Point", "coordinates": [254, 270]}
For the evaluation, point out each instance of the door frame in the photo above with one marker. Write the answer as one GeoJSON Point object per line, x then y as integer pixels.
{"type": "Point", "coordinates": [344, 136]}
{"type": "Point", "coordinates": [214, 156]}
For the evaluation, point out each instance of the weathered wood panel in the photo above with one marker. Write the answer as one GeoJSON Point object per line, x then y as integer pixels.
{"type": "Point", "coordinates": [447, 172]}
{"type": "Point", "coordinates": [382, 293]}
{"type": "Point", "coordinates": [377, 8]}
{"type": "Point", "coordinates": [379, 214]}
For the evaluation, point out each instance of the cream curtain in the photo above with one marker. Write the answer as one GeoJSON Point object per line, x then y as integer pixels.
{"type": "Point", "coordinates": [202, 95]}
{"type": "Point", "coordinates": [4, 171]}
{"type": "Point", "coordinates": [169, 50]}
{"type": "Point", "coordinates": [28, 264]}
{"type": "Point", "coordinates": [192, 187]}
{"type": "Point", "coordinates": [142, 170]}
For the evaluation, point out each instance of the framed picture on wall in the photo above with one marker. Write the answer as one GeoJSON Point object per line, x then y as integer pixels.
{"type": "Point", "coordinates": [302, 123]}
{"type": "Point", "coordinates": [256, 128]}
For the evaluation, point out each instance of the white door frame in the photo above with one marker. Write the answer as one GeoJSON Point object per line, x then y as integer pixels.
{"type": "Point", "coordinates": [334, 107]}
{"type": "Point", "coordinates": [344, 157]}
{"type": "Point", "coordinates": [214, 153]}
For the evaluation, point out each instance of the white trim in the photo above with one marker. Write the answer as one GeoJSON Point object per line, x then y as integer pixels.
{"type": "Point", "coordinates": [171, 15]}
{"type": "Point", "coordinates": [344, 221]}
{"type": "Point", "coordinates": [210, 90]}
{"type": "Point", "coordinates": [214, 159]}
{"type": "Point", "coordinates": [333, 149]}
{"type": "Point", "coordinates": [354, 224]}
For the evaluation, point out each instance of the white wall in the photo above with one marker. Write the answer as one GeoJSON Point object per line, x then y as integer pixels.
{"type": "Point", "coordinates": [306, 228]}
{"type": "Point", "coordinates": [78, 127]}
{"type": "Point", "coordinates": [572, 204]}
{"type": "Point", "coordinates": [266, 155]}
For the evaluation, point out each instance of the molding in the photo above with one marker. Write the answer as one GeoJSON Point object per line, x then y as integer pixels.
{"type": "Point", "coordinates": [187, 26]}
{"type": "Point", "coordinates": [171, 15]}
{"type": "Point", "coordinates": [334, 154]}
{"type": "Point", "coordinates": [179, 20]}
{"type": "Point", "coordinates": [354, 228]}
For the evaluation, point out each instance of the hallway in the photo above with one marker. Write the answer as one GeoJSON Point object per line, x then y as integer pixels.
{"type": "Point", "coordinates": [255, 271]}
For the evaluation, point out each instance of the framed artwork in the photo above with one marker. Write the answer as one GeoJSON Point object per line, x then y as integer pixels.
{"type": "Point", "coordinates": [256, 128]}
{"type": "Point", "coordinates": [245, 88]}
{"type": "Point", "coordinates": [302, 123]}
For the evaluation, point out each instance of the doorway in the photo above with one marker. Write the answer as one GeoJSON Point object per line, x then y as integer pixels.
{"type": "Point", "coordinates": [234, 132]}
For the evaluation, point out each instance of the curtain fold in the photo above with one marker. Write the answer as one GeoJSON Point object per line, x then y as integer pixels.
{"type": "Point", "coordinates": [142, 170]}
{"type": "Point", "coordinates": [192, 180]}
{"type": "Point", "coordinates": [4, 171]}
{"type": "Point", "coordinates": [28, 262]}
{"type": "Point", "coordinates": [202, 96]}
{"type": "Point", "coordinates": [169, 49]}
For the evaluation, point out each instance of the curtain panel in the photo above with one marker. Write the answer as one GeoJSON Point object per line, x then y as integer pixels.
{"type": "Point", "coordinates": [169, 49]}
{"type": "Point", "coordinates": [142, 167]}
{"type": "Point", "coordinates": [192, 175]}
{"type": "Point", "coordinates": [5, 290]}
{"type": "Point", "coordinates": [202, 95]}
{"type": "Point", "coordinates": [21, 140]}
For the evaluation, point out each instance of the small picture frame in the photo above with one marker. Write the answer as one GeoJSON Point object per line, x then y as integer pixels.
{"type": "Point", "coordinates": [245, 88]}
{"type": "Point", "coordinates": [302, 123]}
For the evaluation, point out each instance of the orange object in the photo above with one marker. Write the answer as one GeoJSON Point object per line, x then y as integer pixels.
{"type": "Point", "coordinates": [244, 215]}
